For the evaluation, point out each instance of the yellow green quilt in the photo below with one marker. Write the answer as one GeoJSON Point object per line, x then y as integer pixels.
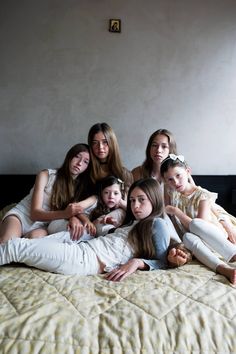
{"type": "Point", "coordinates": [185, 310]}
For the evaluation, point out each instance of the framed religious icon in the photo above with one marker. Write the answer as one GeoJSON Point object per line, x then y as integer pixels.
{"type": "Point", "coordinates": [115, 25]}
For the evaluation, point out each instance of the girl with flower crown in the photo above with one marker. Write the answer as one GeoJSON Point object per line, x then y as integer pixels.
{"type": "Point", "coordinates": [194, 210]}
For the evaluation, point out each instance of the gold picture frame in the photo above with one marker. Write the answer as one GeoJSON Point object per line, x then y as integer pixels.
{"type": "Point", "coordinates": [115, 25]}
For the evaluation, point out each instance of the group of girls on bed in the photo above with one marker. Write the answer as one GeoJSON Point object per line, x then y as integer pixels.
{"type": "Point", "coordinates": [123, 224]}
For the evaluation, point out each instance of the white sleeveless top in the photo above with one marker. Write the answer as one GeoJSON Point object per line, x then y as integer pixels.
{"type": "Point", "coordinates": [23, 207]}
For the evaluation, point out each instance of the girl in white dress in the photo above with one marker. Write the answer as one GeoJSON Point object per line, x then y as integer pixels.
{"type": "Point", "coordinates": [195, 210]}
{"type": "Point", "coordinates": [52, 197]}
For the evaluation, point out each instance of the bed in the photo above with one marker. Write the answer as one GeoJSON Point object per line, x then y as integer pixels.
{"type": "Point", "coordinates": [186, 310]}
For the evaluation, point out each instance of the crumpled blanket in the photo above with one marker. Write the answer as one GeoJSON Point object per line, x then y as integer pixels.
{"type": "Point", "coordinates": [184, 310]}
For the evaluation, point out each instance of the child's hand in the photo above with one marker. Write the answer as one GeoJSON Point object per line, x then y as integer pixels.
{"type": "Point", "coordinates": [171, 210]}
{"type": "Point", "coordinates": [232, 236]}
{"type": "Point", "coordinates": [124, 270]}
{"type": "Point", "coordinates": [122, 204]}
{"type": "Point", "coordinates": [91, 229]}
{"type": "Point", "coordinates": [76, 228]}
{"type": "Point", "coordinates": [106, 219]}
{"type": "Point", "coordinates": [72, 209]}
{"type": "Point", "coordinates": [231, 231]}
{"type": "Point", "coordinates": [178, 213]}
{"type": "Point", "coordinates": [110, 220]}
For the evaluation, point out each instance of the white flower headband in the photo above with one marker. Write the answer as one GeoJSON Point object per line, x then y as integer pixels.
{"type": "Point", "coordinates": [121, 183]}
{"type": "Point", "coordinates": [176, 157]}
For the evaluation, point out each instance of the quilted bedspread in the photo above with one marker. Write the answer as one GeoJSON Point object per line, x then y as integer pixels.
{"type": "Point", "coordinates": [185, 310]}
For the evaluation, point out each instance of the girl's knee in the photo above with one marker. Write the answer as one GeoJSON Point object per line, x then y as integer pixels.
{"type": "Point", "coordinates": [190, 240]}
{"type": "Point", "coordinates": [196, 224]}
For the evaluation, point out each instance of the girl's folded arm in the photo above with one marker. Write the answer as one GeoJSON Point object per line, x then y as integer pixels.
{"type": "Point", "coordinates": [204, 210]}
{"type": "Point", "coordinates": [184, 219]}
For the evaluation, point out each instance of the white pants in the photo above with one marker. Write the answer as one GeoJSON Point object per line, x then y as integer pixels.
{"type": "Point", "coordinates": [52, 253]}
{"type": "Point", "coordinates": [59, 225]}
{"type": "Point", "coordinates": [204, 238]}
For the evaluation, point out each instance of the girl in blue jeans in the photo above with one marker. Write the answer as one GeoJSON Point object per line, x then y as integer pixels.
{"type": "Point", "coordinates": [146, 235]}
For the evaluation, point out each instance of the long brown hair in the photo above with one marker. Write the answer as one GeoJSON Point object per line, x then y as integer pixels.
{"type": "Point", "coordinates": [114, 162]}
{"type": "Point", "coordinates": [148, 163]}
{"type": "Point", "coordinates": [140, 236]}
{"type": "Point", "coordinates": [65, 189]}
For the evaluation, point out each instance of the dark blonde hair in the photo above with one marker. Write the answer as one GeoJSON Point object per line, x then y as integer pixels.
{"type": "Point", "coordinates": [140, 236]}
{"type": "Point", "coordinates": [114, 162]}
{"type": "Point", "coordinates": [65, 189]}
{"type": "Point", "coordinates": [148, 163]}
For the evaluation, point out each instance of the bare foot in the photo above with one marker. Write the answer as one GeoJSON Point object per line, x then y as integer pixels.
{"type": "Point", "coordinates": [176, 257]}
{"type": "Point", "coordinates": [228, 272]}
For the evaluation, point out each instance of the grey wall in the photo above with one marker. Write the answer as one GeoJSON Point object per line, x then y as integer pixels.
{"type": "Point", "coordinates": [61, 70]}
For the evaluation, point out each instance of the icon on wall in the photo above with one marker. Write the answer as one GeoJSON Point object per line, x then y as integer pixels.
{"type": "Point", "coordinates": [115, 25]}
